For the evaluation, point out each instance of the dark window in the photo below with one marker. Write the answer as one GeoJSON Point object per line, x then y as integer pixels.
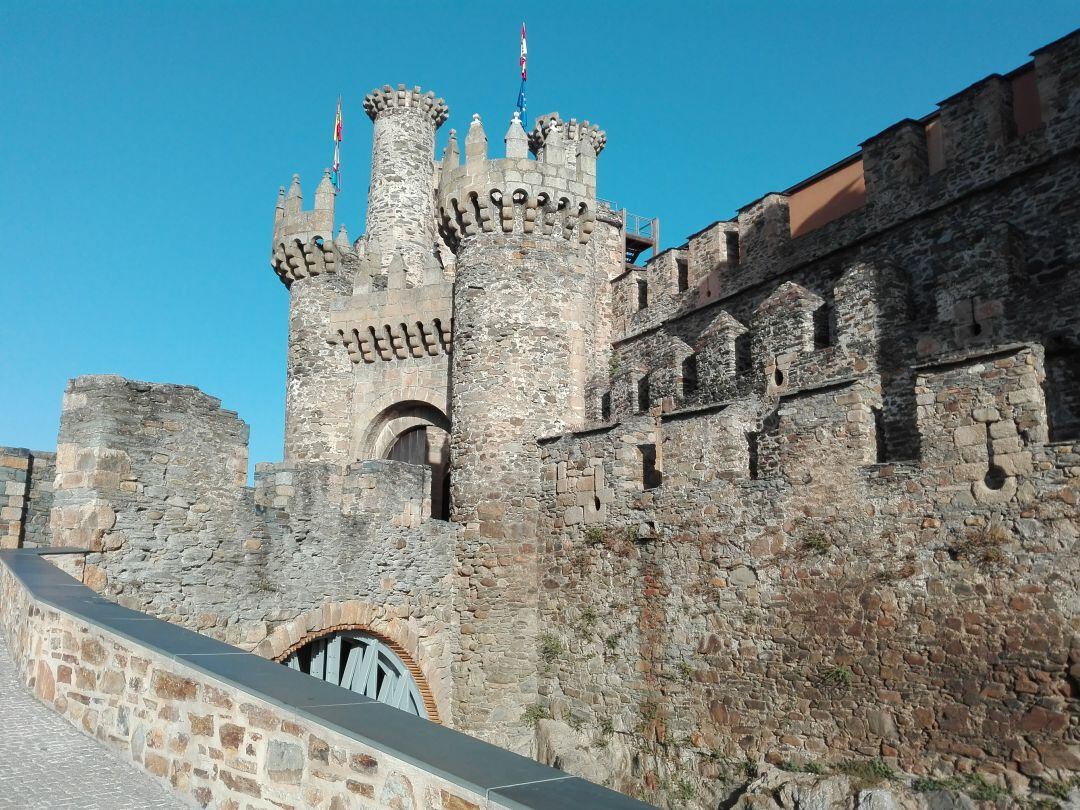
{"type": "Point", "coordinates": [642, 294]}
{"type": "Point", "coordinates": [823, 326]}
{"type": "Point", "coordinates": [684, 274]}
{"type": "Point", "coordinates": [880, 443]}
{"type": "Point", "coordinates": [651, 477]}
{"type": "Point", "coordinates": [731, 241]}
{"type": "Point", "coordinates": [1063, 391]}
{"type": "Point", "coordinates": [643, 394]}
{"type": "Point", "coordinates": [605, 406]}
{"type": "Point", "coordinates": [743, 358]}
{"type": "Point", "coordinates": [752, 450]}
{"type": "Point", "coordinates": [689, 375]}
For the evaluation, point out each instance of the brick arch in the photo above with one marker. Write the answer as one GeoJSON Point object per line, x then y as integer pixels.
{"type": "Point", "coordinates": [395, 633]}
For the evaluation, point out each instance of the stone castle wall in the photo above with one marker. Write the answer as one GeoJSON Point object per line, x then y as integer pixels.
{"type": "Point", "coordinates": [814, 501]}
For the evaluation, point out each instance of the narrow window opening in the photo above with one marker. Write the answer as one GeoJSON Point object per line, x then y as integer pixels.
{"type": "Point", "coordinates": [1062, 389]}
{"type": "Point", "coordinates": [731, 242]}
{"type": "Point", "coordinates": [752, 451]}
{"type": "Point", "coordinates": [642, 294]}
{"type": "Point", "coordinates": [743, 358]}
{"type": "Point", "coordinates": [778, 377]}
{"type": "Point", "coordinates": [880, 443]}
{"type": "Point", "coordinates": [683, 268]}
{"type": "Point", "coordinates": [643, 395]}
{"type": "Point", "coordinates": [650, 475]}
{"type": "Point", "coordinates": [689, 375]}
{"type": "Point", "coordinates": [605, 406]}
{"type": "Point", "coordinates": [823, 329]}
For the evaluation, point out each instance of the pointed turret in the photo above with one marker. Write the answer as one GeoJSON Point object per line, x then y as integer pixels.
{"type": "Point", "coordinates": [279, 211]}
{"type": "Point", "coordinates": [555, 146]}
{"type": "Point", "coordinates": [517, 142]}
{"type": "Point", "coordinates": [324, 194]}
{"type": "Point", "coordinates": [476, 141]}
{"type": "Point", "coordinates": [342, 238]}
{"type": "Point", "coordinates": [294, 200]}
{"type": "Point", "coordinates": [450, 158]}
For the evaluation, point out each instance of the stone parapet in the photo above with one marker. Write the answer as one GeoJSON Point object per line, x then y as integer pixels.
{"type": "Point", "coordinates": [222, 727]}
{"type": "Point", "coordinates": [571, 130]}
{"type": "Point", "coordinates": [379, 101]}
{"type": "Point", "coordinates": [549, 196]}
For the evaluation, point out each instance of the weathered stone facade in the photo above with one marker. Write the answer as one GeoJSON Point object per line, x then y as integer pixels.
{"type": "Point", "coordinates": [802, 490]}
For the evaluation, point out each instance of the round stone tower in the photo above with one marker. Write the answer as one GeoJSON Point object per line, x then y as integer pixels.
{"type": "Point", "coordinates": [401, 196]}
{"type": "Point", "coordinates": [523, 290]}
{"type": "Point", "coordinates": [318, 376]}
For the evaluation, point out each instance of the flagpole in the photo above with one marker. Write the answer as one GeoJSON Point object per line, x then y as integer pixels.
{"type": "Point", "coordinates": [522, 63]}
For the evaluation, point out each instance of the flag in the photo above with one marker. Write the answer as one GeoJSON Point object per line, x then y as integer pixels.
{"type": "Point", "coordinates": [336, 137]}
{"type": "Point", "coordinates": [524, 53]}
{"type": "Point", "coordinates": [524, 75]}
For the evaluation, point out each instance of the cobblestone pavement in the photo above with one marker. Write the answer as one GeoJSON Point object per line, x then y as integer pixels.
{"type": "Point", "coordinates": [46, 762]}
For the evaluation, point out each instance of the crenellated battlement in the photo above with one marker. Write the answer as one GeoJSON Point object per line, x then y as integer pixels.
{"type": "Point", "coordinates": [549, 196]}
{"type": "Point", "coordinates": [301, 244]}
{"type": "Point", "coordinates": [569, 131]}
{"type": "Point", "coordinates": [379, 101]}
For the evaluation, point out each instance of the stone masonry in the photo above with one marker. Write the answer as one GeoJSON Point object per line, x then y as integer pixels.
{"type": "Point", "coordinates": [800, 491]}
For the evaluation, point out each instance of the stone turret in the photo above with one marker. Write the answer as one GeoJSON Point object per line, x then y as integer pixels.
{"type": "Point", "coordinates": [401, 196]}
{"type": "Point", "coordinates": [524, 291]}
{"type": "Point", "coordinates": [307, 260]}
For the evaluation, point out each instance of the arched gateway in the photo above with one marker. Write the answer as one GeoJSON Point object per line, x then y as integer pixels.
{"type": "Point", "coordinates": [363, 663]}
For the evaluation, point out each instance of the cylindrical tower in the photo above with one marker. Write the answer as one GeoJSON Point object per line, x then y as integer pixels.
{"type": "Point", "coordinates": [522, 293]}
{"type": "Point", "coordinates": [318, 375]}
{"type": "Point", "coordinates": [401, 196]}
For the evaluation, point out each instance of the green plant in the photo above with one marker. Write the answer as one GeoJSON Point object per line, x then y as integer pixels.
{"type": "Point", "coordinates": [685, 791]}
{"type": "Point", "coordinates": [575, 722]}
{"type": "Point", "coordinates": [613, 364]}
{"type": "Point", "coordinates": [1059, 790]}
{"type": "Point", "coordinates": [982, 546]}
{"type": "Point", "coordinates": [550, 647]}
{"type": "Point", "coordinates": [838, 676]}
{"type": "Point", "coordinates": [981, 790]}
{"type": "Point", "coordinates": [607, 727]}
{"type": "Point", "coordinates": [685, 670]}
{"type": "Point", "coordinates": [533, 715]}
{"type": "Point", "coordinates": [867, 771]}
{"type": "Point", "coordinates": [926, 784]}
{"type": "Point", "coordinates": [594, 534]}
{"type": "Point", "coordinates": [612, 641]}
{"type": "Point", "coordinates": [790, 767]}
{"type": "Point", "coordinates": [815, 768]}
{"type": "Point", "coordinates": [631, 534]}
{"type": "Point", "coordinates": [816, 543]}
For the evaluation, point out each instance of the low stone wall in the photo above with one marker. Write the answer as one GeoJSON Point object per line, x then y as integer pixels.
{"type": "Point", "coordinates": [228, 729]}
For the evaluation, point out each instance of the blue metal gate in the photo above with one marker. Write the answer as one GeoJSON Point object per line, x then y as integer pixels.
{"type": "Point", "coordinates": [364, 664]}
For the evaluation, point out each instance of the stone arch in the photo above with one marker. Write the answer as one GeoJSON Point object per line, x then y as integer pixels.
{"type": "Point", "coordinates": [404, 416]}
{"type": "Point", "coordinates": [398, 634]}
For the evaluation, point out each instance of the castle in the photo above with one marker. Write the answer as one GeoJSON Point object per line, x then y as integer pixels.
{"type": "Point", "coordinates": [802, 489]}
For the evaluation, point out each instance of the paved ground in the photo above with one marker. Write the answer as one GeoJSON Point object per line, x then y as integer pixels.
{"type": "Point", "coordinates": [45, 762]}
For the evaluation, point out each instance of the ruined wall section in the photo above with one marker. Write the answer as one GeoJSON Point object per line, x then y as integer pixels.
{"type": "Point", "coordinates": [26, 485]}
{"type": "Point", "coordinates": [150, 479]}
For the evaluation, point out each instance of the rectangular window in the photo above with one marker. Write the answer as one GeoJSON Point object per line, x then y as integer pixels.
{"type": "Point", "coordinates": [689, 375]}
{"type": "Point", "coordinates": [605, 406]}
{"type": "Point", "coordinates": [642, 294]}
{"type": "Point", "coordinates": [743, 358]}
{"type": "Point", "coordinates": [651, 477]}
{"type": "Point", "coordinates": [643, 394]}
{"type": "Point", "coordinates": [731, 242]}
{"type": "Point", "coordinates": [752, 450]}
{"type": "Point", "coordinates": [823, 326]}
{"type": "Point", "coordinates": [880, 443]}
{"type": "Point", "coordinates": [683, 267]}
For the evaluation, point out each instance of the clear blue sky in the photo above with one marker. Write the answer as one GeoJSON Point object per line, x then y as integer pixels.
{"type": "Point", "coordinates": [142, 145]}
